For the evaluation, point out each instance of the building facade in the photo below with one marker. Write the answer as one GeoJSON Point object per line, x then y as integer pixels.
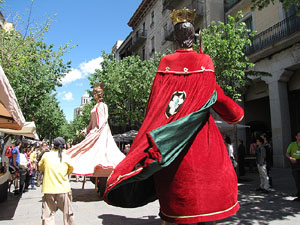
{"type": "Point", "coordinates": [7, 26]}
{"type": "Point", "coordinates": [272, 102]}
{"type": "Point", "coordinates": [85, 99]}
{"type": "Point", "coordinates": [152, 28]}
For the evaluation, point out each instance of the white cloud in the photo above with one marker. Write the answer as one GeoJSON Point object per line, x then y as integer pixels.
{"type": "Point", "coordinates": [68, 96]}
{"type": "Point", "coordinates": [84, 70]}
{"type": "Point", "coordinates": [79, 84]}
{"type": "Point", "coordinates": [90, 66]}
{"type": "Point", "coordinates": [60, 93]}
{"type": "Point", "coordinates": [73, 75]}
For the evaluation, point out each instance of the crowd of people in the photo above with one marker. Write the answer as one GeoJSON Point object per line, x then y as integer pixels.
{"type": "Point", "coordinates": [262, 150]}
{"type": "Point", "coordinates": [23, 159]}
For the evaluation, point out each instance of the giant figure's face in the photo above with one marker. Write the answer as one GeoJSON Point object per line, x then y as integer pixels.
{"type": "Point", "coordinates": [97, 93]}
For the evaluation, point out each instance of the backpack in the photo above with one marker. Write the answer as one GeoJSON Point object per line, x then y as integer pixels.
{"type": "Point", "coordinates": [8, 152]}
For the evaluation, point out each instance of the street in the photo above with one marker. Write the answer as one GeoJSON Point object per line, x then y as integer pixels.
{"type": "Point", "coordinates": [274, 208]}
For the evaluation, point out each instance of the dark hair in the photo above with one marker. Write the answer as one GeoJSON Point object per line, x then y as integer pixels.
{"type": "Point", "coordinates": [228, 140]}
{"type": "Point", "coordinates": [18, 142]}
{"type": "Point", "coordinates": [260, 139]}
{"type": "Point", "coordinates": [242, 142]}
{"type": "Point", "coordinates": [297, 132]}
{"type": "Point", "coordinates": [264, 135]}
{"type": "Point", "coordinates": [184, 34]}
{"type": "Point", "coordinates": [59, 143]}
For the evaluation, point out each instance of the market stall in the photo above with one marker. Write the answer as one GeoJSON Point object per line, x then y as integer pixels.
{"type": "Point", "coordinates": [125, 138]}
{"type": "Point", "coordinates": [10, 113]}
{"type": "Point", "coordinates": [11, 118]}
{"type": "Point", "coordinates": [28, 130]}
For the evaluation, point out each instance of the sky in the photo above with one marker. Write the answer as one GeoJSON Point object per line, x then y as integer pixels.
{"type": "Point", "coordinates": [93, 25]}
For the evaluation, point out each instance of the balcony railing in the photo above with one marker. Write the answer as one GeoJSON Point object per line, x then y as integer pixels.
{"type": "Point", "coordinates": [138, 38]}
{"type": "Point", "coordinates": [170, 4]}
{"type": "Point", "coordinates": [198, 5]}
{"type": "Point", "coordinates": [274, 34]}
{"type": "Point", "coordinates": [228, 4]}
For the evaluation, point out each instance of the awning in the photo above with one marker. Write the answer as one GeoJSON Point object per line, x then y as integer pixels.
{"type": "Point", "coordinates": [28, 130]}
{"type": "Point", "coordinates": [125, 137]}
{"type": "Point", "coordinates": [223, 126]}
{"type": "Point", "coordinates": [10, 113]}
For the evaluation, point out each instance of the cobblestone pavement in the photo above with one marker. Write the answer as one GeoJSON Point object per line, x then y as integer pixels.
{"type": "Point", "coordinates": [275, 208]}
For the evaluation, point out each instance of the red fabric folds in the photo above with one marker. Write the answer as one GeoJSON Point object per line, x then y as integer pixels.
{"type": "Point", "coordinates": [200, 184]}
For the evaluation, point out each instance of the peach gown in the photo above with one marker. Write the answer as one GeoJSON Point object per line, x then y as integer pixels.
{"type": "Point", "coordinates": [97, 155]}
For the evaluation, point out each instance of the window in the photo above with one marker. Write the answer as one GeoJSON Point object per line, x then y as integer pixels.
{"type": "Point", "coordinates": [249, 23]}
{"type": "Point", "coordinates": [152, 18]}
{"type": "Point", "coordinates": [143, 54]}
{"type": "Point", "coordinates": [144, 28]}
{"type": "Point", "coordinates": [228, 4]}
{"type": "Point", "coordinates": [165, 30]}
{"type": "Point", "coordinates": [292, 11]}
{"type": "Point", "coordinates": [164, 33]}
{"type": "Point", "coordinates": [152, 45]}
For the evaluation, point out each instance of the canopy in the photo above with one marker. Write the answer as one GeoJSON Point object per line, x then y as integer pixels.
{"type": "Point", "coordinates": [223, 126]}
{"type": "Point", "coordinates": [11, 116]}
{"type": "Point", "coordinates": [28, 130]}
{"type": "Point", "coordinates": [128, 136]}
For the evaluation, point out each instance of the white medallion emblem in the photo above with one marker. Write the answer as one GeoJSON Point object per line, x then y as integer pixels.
{"type": "Point", "coordinates": [175, 103]}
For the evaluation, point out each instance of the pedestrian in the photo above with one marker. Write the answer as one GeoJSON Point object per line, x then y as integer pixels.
{"type": "Point", "coordinates": [41, 151]}
{"type": "Point", "coordinates": [230, 150]}
{"type": "Point", "coordinates": [179, 155]}
{"type": "Point", "coordinates": [269, 156]}
{"type": "Point", "coordinates": [15, 161]}
{"type": "Point", "coordinates": [33, 162]}
{"type": "Point", "coordinates": [56, 166]}
{"type": "Point", "coordinates": [262, 166]}
{"type": "Point", "coordinates": [127, 148]}
{"type": "Point", "coordinates": [25, 163]}
{"type": "Point", "coordinates": [293, 154]}
{"type": "Point", "coordinates": [241, 157]}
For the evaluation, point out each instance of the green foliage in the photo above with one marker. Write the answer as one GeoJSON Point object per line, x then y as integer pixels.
{"type": "Point", "coordinates": [225, 44]}
{"type": "Point", "coordinates": [34, 70]}
{"type": "Point", "coordinates": [80, 123]}
{"type": "Point", "coordinates": [127, 88]}
{"type": "Point", "coordinates": [287, 4]}
{"type": "Point", "coordinates": [49, 118]}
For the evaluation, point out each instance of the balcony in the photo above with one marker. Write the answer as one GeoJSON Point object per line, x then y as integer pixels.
{"type": "Point", "coordinates": [125, 48]}
{"type": "Point", "coordinates": [171, 4]}
{"type": "Point", "coordinates": [284, 32]}
{"type": "Point", "coordinates": [138, 39]}
{"type": "Point", "coordinates": [198, 5]}
{"type": "Point", "coordinates": [228, 4]}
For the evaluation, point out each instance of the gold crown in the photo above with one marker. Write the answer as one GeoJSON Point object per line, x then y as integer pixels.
{"type": "Point", "coordinates": [183, 15]}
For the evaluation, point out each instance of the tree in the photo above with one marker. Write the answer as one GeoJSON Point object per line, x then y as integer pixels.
{"type": "Point", "coordinates": [287, 4]}
{"type": "Point", "coordinates": [80, 122]}
{"type": "Point", "coordinates": [49, 118]}
{"type": "Point", "coordinates": [225, 44]}
{"type": "Point", "coordinates": [34, 70]}
{"type": "Point", "coordinates": [127, 88]}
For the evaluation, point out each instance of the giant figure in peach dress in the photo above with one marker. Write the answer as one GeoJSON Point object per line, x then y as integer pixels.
{"type": "Point", "coordinates": [97, 155]}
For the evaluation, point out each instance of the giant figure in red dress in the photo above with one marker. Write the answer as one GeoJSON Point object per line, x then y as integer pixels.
{"type": "Point", "coordinates": [179, 155]}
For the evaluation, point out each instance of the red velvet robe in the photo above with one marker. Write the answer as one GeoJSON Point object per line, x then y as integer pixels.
{"type": "Point", "coordinates": [200, 184]}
